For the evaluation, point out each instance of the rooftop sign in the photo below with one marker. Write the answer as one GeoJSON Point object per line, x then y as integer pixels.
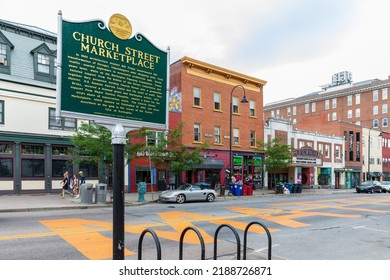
{"type": "Point", "coordinates": [109, 78]}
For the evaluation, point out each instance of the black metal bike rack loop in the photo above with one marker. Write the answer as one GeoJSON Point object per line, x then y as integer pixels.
{"type": "Point", "coordinates": [156, 241]}
{"type": "Point", "coordinates": [202, 245]}
{"type": "Point", "coordinates": [268, 235]}
{"type": "Point", "coordinates": [235, 234]}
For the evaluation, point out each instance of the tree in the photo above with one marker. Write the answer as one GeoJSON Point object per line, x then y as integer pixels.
{"type": "Point", "coordinates": [277, 155]}
{"type": "Point", "coordinates": [168, 151]}
{"type": "Point", "coordinates": [93, 141]}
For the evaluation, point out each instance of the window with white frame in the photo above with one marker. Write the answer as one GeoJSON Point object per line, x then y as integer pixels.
{"type": "Point", "coordinates": [288, 111]}
{"type": "Point", "coordinates": [385, 122]}
{"type": "Point", "coordinates": [273, 114]}
{"type": "Point", "coordinates": [357, 122]}
{"type": "Point", "coordinates": [375, 110]}
{"type": "Point", "coordinates": [313, 107]}
{"type": "Point", "coordinates": [357, 112]}
{"type": "Point", "coordinates": [327, 151]}
{"type": "Point", "coordinates": [349, 100]}
{"type": "Point", "coordinates": [197, 137]}
{"type": "Point", "coordinates": [217, 101]}
{"type": "Point", "coordinates": [384, 108]}
{"type": "Point", "coordinates": [294, 121]}
{"type": "Point", "coordinates": [43, 63]}
{"type": "Point", "coordinates": [327, 104]}
{"type": "Point", "coordinates": [334, 103]}
{"type": "Point", "coordinates": [252, 138]}
{"type": "Point", "coordinates": [235, 105]}
{"type": "Point", "coordinates": [375, 95]}
{"type": "Point", "coordinates": [236, 136]}
{"type": "Point", "coordinates": [375, 123]}
{"type": "Point", "coordinates": [384, 94]}
{"type": "Point", "coordinates": [196, 96]}
{"type": "Point", "coordinates": [349, 114]}
{"type": "Point", "coordinates": [217, 134]}
{"type": "Point", "coordinates": [337, 152]}
{"type": "Point", "coordinates": [307, 108]}
{"type": "Point", "coordinates": [277, 113]}
{"type": "Point", "coordinates": [334, 116]}
{"type": "Point", "coordinates": [357, 98]}
{"type": "Point", "coordinates": [155, 138]}
{"type": "Point", "coordinates": [321, 148]}
{"type": "Point", "coordinates": [294, 110]}
{"type": "Point", "coordinates": [252, 109]}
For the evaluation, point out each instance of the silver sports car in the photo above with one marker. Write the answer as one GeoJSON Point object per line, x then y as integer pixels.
{"type": "Point", "coordinates": [188, 192]}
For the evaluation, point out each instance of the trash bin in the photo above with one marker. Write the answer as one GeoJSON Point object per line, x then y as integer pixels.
{"type": "Point", "coordinates": [86, 193]}
{"type": "Point", "coordinates": [279, 188]}
{"type": "Point", "coordinates": [238, 188]}
{"type": "Point", "coordinates": [100, 193]}
{"type": "Point", "coordinates": [141, 188]}
{"type": "Point", "coordinates": [289, 186]}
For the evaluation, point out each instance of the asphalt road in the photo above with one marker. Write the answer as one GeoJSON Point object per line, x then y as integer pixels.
{"type": "Point", "coordinates": [346, 226]}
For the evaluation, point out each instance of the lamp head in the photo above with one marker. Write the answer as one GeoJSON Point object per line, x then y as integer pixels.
{"type": "Point", "coordinates": [244, 100]}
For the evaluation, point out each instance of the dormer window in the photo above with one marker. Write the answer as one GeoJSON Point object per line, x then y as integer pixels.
{"type": "Point", "coordinates": [5, 54]}
{"type": "Point", "coordinates": [44, 64]}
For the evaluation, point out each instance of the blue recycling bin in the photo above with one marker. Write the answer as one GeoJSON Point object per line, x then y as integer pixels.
{"type": "Point", "coordinates": [289, 186]}
{"type": "Point", "coordinates": [238, 188]}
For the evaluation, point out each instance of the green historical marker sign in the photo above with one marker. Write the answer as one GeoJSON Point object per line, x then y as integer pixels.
{"type": "Point", "coordinates": [109, 78]}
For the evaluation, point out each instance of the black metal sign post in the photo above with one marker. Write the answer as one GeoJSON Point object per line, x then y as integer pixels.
{"type": "Point", "coordinates": [118, 141]}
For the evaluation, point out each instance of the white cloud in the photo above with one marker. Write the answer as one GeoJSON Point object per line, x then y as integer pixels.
{"type": "Point", "coordinates": [296, 45]}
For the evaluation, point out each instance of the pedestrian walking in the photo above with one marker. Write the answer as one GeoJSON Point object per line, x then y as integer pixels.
{"type": "Point", "coordinates": [75, 186]}
{"type": "Point", "coordinates": [65, 185]}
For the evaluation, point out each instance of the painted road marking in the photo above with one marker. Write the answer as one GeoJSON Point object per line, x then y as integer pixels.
{"type": "Point", "coordinates": [86, 235]}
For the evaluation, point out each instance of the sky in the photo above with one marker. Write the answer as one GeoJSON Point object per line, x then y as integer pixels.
{"type": "Point", "coordinates": [294, 45]}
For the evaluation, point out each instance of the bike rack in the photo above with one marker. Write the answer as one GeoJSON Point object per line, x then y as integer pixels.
{"type": "Point", "coordinates": [268, 235]}
{"type": "Point", "coordinates": [235, 234]}
{"type": "Point", "coordinates": [202, 245]}
{"type": "Point", "coordinates": [156, 240]}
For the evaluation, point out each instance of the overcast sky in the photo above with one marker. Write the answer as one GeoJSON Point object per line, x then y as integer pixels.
{"type": "Point", "coordinates": [295, 45]}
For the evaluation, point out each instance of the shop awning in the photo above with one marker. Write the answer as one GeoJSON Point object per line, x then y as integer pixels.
{"type": "Point", "coordinates": [371, 174]}
{"type": "Point", "coordinates": [379, 174]}
{"type": "Point", "coordinates": [210, 164]}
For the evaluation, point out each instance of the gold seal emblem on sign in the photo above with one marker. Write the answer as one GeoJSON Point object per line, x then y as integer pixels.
{"type": "Point", "coordinates": [120, 26]}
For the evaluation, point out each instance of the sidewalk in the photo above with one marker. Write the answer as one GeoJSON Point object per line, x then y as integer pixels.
{"type": "Point", "coordinates": [42, 202]}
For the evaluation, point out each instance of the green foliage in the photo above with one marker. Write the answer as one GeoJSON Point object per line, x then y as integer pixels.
{"type": "Point", "coordinates": [94, 142]}
{"type": "Point", "coordinates": [277, 155]}
{"type": "Point", "coordinates": [168, 151]}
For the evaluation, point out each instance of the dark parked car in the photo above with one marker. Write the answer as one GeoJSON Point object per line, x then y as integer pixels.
{"type": "Point", "coordinates": [386, 186]}
{"type": "Point", "coordinates": [369, 187]}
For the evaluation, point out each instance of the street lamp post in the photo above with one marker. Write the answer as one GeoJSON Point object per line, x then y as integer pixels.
{"type": "Point", "coordinates": [369, 148]}
{"type": "Point", "coordinates": [243, 100]}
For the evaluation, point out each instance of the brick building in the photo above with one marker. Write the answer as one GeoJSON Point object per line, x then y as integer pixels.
{"type": "Point", "coordinates": [344, 109]}
{"type": "Point", "coordinates": [200, 98]}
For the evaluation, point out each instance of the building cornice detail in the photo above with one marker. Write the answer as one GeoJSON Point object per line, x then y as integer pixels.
{"type": "Point", "coordinates": [196, 66]}
{"type": "Point", "coordinates": [325, 96]}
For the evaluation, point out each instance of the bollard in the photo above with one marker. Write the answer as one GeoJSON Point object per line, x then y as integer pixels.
{"type": "Point", "coordinates": [141, 191]}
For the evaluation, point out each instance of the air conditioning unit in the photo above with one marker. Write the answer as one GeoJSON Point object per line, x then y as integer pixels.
{"type": "Point", "coordinates": [3, 61]}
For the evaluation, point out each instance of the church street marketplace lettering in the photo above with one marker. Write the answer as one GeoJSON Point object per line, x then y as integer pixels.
{"type": "Point", "coordinates": [103, 75]}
